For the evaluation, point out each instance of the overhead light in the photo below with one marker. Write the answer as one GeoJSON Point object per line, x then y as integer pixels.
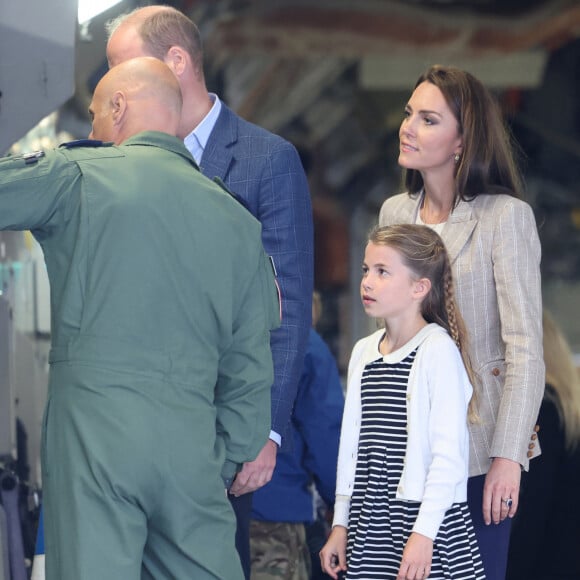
{"type": "Point", "coordinates": [88, 9]}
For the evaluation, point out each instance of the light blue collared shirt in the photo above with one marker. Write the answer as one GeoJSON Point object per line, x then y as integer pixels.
{"type": "Point", "coordinates": [196, 141]}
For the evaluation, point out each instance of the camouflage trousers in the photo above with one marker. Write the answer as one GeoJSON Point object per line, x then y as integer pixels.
{"type": "Point", "coordinates": [279, 551]}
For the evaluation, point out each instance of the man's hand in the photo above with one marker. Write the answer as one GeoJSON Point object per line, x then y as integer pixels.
{"type": "Point", "coordinates": [502, 484]}
{"type": "Point", "coordinates": [257, 473]}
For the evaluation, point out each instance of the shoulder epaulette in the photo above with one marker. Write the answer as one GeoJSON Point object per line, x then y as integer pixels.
{"type": "Point", "coordinates": [86, 143]}
{"type": "Point", "coordinates": [30, 158]}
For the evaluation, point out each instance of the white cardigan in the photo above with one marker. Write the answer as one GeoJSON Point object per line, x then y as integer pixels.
{"type": "Point", "coordinates": [437, 457]}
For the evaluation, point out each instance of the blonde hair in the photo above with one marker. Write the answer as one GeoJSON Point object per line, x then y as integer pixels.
{"type": "Point", "coordinates": [563, 376]}
{"type": "Point", "coordinates": [423, 252]}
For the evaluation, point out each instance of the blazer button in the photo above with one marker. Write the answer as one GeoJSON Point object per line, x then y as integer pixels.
{"type": "Point", "coordinates": [534, 437]}
{"type": "Point", "coordinates": [530, 453]}
{"type": "Point", "coordinates": [495, 372]}
{"type": "Point", "coordinates": [536, 428]}
{"type": "Point", "coordinates": [531, 445]}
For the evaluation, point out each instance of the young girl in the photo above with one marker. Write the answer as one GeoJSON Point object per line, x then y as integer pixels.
{"type": "Point", "coordinates": [401, 508]}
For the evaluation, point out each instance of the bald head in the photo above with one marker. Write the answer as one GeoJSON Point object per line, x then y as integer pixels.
{"type": "Point", "coordinates": [140, 94]}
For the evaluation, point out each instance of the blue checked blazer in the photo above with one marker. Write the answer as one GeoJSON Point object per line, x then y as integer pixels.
{"type": "Point", "coordinates": [266, 173]}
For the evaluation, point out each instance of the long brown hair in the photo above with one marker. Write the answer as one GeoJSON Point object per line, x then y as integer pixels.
{"type": "Point", "coordinates": [423, 252]}
{"type": "Point", "coordinates": [487, 162]}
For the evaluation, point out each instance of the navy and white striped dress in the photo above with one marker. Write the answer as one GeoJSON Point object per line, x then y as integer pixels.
{"type": "Point", "coordinates": [379, 523]}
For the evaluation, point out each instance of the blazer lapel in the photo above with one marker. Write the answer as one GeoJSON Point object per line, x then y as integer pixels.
{"type": "Point", "coordinates": [458, 229]}
{"type": "Point", "coordinates": [409, 208]}
{"type": "Point", "coordinates": [217, 155]}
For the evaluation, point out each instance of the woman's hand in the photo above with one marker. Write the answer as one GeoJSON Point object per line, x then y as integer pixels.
{"type": "Point", "coordinates": [501, 490]}
{"type": "Point", "coordinates": [333, 553]}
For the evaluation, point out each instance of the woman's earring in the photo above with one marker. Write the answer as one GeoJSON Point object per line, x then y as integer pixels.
{"type": "Point", "coordinates": [456, 158]}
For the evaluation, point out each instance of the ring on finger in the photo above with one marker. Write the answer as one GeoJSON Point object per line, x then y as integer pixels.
{"type": "Point", "coordinates": [508, 502]}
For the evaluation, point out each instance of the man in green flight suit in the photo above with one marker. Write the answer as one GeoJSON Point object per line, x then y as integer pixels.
{"type": "Point", "coordinates": [162, 301]}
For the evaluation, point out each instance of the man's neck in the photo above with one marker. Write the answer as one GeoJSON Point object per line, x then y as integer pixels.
{"type": "Point", "coordinates": [195, 107]}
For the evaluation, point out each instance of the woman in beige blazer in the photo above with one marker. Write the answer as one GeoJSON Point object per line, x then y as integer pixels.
{"type": "Point", "coordinates": [462, 181]}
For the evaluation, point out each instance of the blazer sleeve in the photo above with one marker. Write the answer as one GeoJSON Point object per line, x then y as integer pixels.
{"type": "Point", "coordinates": [516, 269]}
{"type": "Point", "coordinates": [245, 373]}
{"type": "Point", "coordinates": [285, 213]}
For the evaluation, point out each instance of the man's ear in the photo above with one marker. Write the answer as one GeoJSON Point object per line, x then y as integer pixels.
{"type": "Point", "coordinates": [422, 288]}
{"type": "Point", "coordinates": [118, 107]}
{"type": "Point", "coordinates": [176, 59]}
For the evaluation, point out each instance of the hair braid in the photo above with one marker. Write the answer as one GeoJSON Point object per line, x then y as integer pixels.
{"type": "Point", "coordinates": [449, 299]}
{"type": "Point", "coordinates": [458, 333]}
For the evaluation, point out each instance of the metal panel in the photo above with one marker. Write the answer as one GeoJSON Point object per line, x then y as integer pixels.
{"type": "Point", "coordinates": [7, 418]}
{"type": "Point", "coordinates": [37, 54]}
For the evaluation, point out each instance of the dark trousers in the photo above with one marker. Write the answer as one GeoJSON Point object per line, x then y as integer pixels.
{"type": "Point", "coordinates": [494, 539]}
{"type": "Point", "coordinates": [243, 508]}
{"type": "Point", "coordinates": [316, 536]}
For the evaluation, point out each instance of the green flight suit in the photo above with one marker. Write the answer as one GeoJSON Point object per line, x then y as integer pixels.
{"type": "Point", "coordinates": [160, 368]}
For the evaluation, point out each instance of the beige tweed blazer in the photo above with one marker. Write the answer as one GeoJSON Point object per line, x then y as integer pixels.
{"type": "Point", "coordinates": [495, 252]}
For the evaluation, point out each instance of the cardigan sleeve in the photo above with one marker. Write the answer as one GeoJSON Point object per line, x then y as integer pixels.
{"type": "Point", "coordinates": [350, 429]}
{"type": "Point", "coordinates": [449, 392]}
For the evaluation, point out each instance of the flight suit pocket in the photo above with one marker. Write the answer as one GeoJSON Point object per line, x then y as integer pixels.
{"type": "Point", "coordinates": [44, 457]}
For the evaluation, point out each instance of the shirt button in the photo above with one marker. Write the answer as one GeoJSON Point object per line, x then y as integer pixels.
{"type": "Point", "coordinates": [534, 437]}
{"type": "Point", "coordinates": [495, 372]}
{"type": "Point", "coordinates": [530, 453]}
{"type": "Point", "coordinates": [536, 428]}
{"type": "Point", "coordinates": [531, 445]}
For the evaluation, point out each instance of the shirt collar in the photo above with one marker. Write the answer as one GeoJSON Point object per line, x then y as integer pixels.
{"type": "Point", "coordinates": [198, 138]}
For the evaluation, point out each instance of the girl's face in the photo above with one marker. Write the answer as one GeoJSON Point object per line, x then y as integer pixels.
{"type": "Point", "coordinates": [429, 136]}
{"type": "Point", "coordinates": [388, 287]}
